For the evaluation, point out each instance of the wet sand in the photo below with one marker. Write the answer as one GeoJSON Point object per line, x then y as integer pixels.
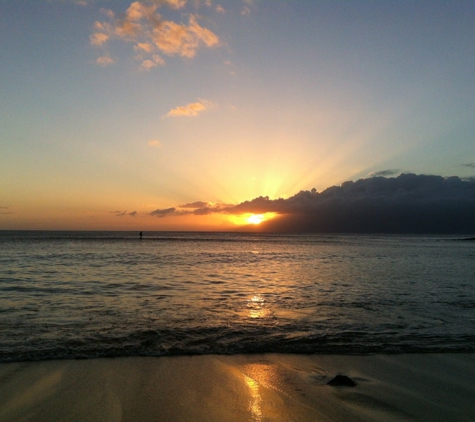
{"type": "Point", "coordinates": [267, 387]}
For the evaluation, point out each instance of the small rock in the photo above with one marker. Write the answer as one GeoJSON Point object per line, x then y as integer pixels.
{"type": "Point", "coordinates": [341, 381]}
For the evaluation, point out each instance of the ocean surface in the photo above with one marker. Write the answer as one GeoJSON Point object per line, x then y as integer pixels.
{"type": "Point", "coordinates": [97, 294]}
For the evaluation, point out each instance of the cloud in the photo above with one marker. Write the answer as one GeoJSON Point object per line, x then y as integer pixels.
{"type": "Point", "coordinates": [104, 61]}
{"type": "Point", "coordinates": [192, 208]}
{"type": "Point", "coordinates": [178, 39]}
{"type": "Point", "coordinates": [155, 143]}
{"type": "Point", "coordinates": [246, 10]}
{"type": "Point", "coordinates": [155, 61]}
{"type": "Point", "coordinates": [6, 211]}
{"type": "Point", "coordinates": [204, 208]}
{"type": "Point", "coordinates": [220, 9]}
{"type": "Point", "coordinates": [384, 173]}
{"type": "Point", "coordinates": [197, 204]}
{"type": "Point", "coordinates": [167, 212]}
{"type": "Point", "coordinates": [173, 4]}
{"type": "Point", "coordinates": [471, 165]}
{"type": "Point", "coordinates": [151, 35]}
{"type": "Point", "coordinates": [124, 213]}
{"type": "Point", "coordinates": [408, 203]}
{"type": "Point", "coordinates": [189, 110]}
{"type": "Point", "coordinates": [98, 38]}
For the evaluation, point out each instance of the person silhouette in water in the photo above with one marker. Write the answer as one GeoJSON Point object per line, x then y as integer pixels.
{"type": "Point", "coordinates": [140, 234]}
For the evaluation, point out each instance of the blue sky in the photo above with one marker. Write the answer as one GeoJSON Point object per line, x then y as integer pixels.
{"type": "Point", "coordinates": [111, 110]}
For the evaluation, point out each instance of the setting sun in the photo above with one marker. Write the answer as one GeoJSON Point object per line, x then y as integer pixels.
{"type": "Point", "coordinates": [249, 218]}
{"type": "Point", "coordinates": [256, 219]}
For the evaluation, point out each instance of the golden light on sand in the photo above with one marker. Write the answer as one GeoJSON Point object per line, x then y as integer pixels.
{"type": "Point", "coordinates": [259, 378]}
{"type": "Point", "coordinates": [256, 399]}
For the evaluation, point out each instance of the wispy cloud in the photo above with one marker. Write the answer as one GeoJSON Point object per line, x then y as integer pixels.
{"type": "Point", "coordinates": [174, 4]}
{"type": "Point", "coordinates": [190, 110]}
{"type": "Point", "coordinates": [471, 165]}
{"type": "Point", "coordinates": [246, 10]}
{"type": "Point", "coordinates": [384, 173]}
{"type": "Point", "coordinates": [124, 213]}
{"type": "Point", "coordinates": [167, 212]}
{"type": "Point", "coordinates": [6, 211]}
{"type": "Point", "coordinates": [192, 208]}
{"type": "Point", "coordinates": [154, 143]}
{"type": "Point", "coordinates": [104, 61]}
{"type": "Point", "coordinates": [151, 35]}
{"type": "Point", "coordinates": [197, 204]}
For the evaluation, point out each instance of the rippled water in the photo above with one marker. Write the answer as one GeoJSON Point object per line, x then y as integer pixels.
{"type": "Point", "coordinates": [90, 294]}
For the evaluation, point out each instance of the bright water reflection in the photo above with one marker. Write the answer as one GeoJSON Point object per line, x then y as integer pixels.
{"type": "Point", "coordinates": [257, 308]}
{"type": "Point", "coordinates": [93, 295]}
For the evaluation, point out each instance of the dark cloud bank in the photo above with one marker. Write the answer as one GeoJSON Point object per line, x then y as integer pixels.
{"type": "Point", "coordinates": [408, 203]}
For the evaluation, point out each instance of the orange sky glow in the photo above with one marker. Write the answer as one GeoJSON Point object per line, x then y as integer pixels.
{"type": "Point", "coordinates": [173, 115]}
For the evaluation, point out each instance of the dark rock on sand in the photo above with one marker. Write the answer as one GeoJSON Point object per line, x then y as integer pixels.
{"type": "Point", "coordinates": [341, 381]}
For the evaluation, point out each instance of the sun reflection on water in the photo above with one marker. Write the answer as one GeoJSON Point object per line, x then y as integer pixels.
{"type": "Point", "coordinates": [256, 307]}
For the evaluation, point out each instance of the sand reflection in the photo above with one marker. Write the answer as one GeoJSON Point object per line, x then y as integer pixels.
{"type": "Point", "coordinates": [32, 390]}
{"type": "Point", "coordinates": [256, 399]}
{"type": "Point", "coordinates": [258, 377]}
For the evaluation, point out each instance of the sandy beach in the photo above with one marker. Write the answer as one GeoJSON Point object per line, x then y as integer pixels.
{"type": "Point", "coordinates": [270, 387]}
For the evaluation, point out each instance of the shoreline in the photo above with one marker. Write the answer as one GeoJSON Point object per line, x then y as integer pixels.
{"type": "Point", "coordinates": [257, 387]}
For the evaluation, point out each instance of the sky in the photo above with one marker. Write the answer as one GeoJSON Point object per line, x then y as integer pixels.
{"type": "Point", "coordinates": [216, 115]}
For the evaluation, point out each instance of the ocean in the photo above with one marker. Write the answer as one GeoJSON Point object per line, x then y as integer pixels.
{"type": "Point", "coordinates": [86, 295]}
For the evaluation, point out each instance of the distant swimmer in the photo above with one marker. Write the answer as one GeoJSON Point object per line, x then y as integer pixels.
{"type": "Point", "coordinates": [140, 234]}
